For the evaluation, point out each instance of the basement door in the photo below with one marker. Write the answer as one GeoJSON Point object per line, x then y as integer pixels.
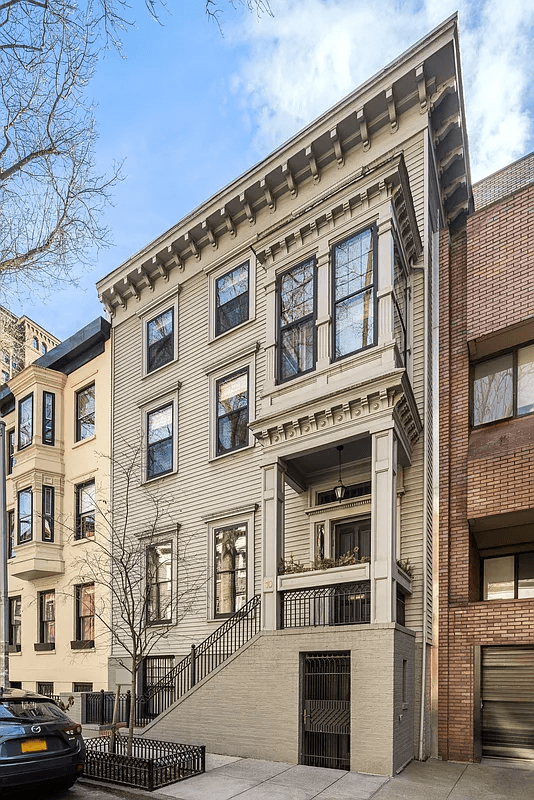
{"type": "Point", "coordinates": [325, 710]}
{"type": "Point", "coordinates": [507, 696]}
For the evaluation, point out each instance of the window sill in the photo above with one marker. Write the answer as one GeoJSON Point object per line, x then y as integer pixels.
{"type": "Point", "coordinates": [156, 371]}
{"type": "Point", "coordinates": [217, 337]}
{"type": "Point", "coordinates": [44, 647]}
{"type": "Point", "coordinates": [84, 441]}
{"type": "Point", "coordinates": [85, 539]}
{"type": "Point", "coordinates": [213, 459]}
{"type": "Point", "coordinates": [159, 477]}
{"type": "Point", "coordinates": [78, 644]}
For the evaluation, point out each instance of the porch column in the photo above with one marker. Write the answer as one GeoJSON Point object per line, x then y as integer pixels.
{"type": "Point", "coordinates": [272, 536]}
{"type": "Point", "coordinates": [383, 523]}
{"type": "Point", "coordinates": [385, 281]}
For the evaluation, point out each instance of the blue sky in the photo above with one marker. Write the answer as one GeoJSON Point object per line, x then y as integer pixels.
{"type": "Point", "coordinates": [189, 110]}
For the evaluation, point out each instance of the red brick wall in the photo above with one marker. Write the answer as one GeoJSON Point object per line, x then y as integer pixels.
{"type": "Point", "coordinates": [500, 259]}
{"type": "Point", "coordinates": [486, 284]}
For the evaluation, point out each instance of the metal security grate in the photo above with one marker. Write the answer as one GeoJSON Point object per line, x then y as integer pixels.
{"type": "Point", "coordinates": [343, 604]}
{"type": "Point", "coordinates": [326, 710]}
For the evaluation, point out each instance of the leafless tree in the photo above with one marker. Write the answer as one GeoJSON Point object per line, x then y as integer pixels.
{"type": "Point", "coordinates": [145, 580]}
{"type": "Point", "coordinates": [51, 196]}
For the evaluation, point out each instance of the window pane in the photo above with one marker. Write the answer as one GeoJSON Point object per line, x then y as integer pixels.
{"type": "Point", "coordinates": [297, 349]}
{"type": "Point", "coordinates": [232, 299]}
{"type": "Point", "coordinates": [87, 497]}
{"type": "Point", "coordinates": [499, 578]}
{"type": "Point", "coordinates": [297, 293]}
{"type": "Point", "coordinates": [493, 390]}
{"type": "Point", "coordinates": [230, 569]}
{"type": "Point", "coordinates": [525, 380]}
{"type": "Point", "coordinates": [160, 424]}
{"type": "Point", "coordinates": [25, 516]}
{"type": "Point", "coordinates": [26, 422]}
{"type": "Point", "coordinates": [354, 323]}
{"type": "Point", "coordinates": [232, 393]}
{"type": "Point", "coordinates": [160, 340]}
{"type": "Point", "coordinates": [232, 412]}
{"type": "Point", "coordinates": [85, 401]}
{"type": "Point", "coordinates": [232, 431]}
{"type": "Point", "coordinates": [525, 575]}
{"type": "Point", "coordinates": [353, 265]}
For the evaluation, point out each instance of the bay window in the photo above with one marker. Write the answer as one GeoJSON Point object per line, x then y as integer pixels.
{"type": "Point", "coordinates": [354, 293]}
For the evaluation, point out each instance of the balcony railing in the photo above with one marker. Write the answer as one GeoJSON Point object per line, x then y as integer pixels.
{"type": "Point", "coordinates": [341, 604]}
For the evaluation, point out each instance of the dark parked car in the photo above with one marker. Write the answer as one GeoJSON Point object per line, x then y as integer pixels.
{"type": "Point", "coordinates": [38, 741]}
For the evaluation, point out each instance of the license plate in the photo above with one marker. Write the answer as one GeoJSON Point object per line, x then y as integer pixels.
{"type": "Point", "coordinates": [33, 745]}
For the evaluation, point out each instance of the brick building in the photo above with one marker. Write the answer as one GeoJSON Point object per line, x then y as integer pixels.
{"type": "Point", "coordinates": [486, 542]}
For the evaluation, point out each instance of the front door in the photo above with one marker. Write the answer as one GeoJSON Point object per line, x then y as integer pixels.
{"type": "Point", "coordinates": [353, 537]}
{"type": "Point", "coordinates": [325, 710]}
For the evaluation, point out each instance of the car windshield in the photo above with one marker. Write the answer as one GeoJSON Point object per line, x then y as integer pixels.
{"type": "Point", "coordinates": [30, 710]}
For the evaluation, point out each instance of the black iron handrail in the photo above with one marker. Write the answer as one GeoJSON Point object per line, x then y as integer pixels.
{"type": "Point", "coordinates": [235, 632]}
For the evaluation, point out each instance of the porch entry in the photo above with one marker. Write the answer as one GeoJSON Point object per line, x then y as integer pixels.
{"type": "Point", "coordinates": [325, 710]}
{"type": "Point", "coordinates": [154, 672]}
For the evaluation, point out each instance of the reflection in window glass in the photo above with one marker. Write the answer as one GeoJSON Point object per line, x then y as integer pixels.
{"type": "Point", "coordinates": [25, 516]}
{"type": "Point", "coordinates": [230, 569]}
{"type": "Point", "coordinates": [159, 579]}
{"type": "Point", "coordinates": [85, 510]}
{"type": "Point", "coordinates": [48, 514]}
{"type": "Point", "coordinates": [160, 340]}
{"type": "Point", "coordinates": [85, 612]}
{"type": "Point", "coordinates": [493, 390]}
{"type": "Point", "coordinates": [232, 412]}
{"type": "Point", "coordinates": [85, 413]}
{"type": "Point", "coordinates": [25, 421]}
{"type": "Point", "coordinates": [525, 575]}
{"type": "Point", "coordinates": [353, 262]}
{"type": "Point", "coordinates": [159, 441]}
{"type": "Point", "coordinates": [231, 299]}
{"type": "Point", "coordinates": [499, 578]}
{"type": "Point", "coordinates": [525, 380]}
{"type": "Point", "coordinates": [297, 323]}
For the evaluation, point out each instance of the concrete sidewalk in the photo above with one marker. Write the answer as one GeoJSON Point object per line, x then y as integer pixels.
{"type": "Point", "coordinates": [248, 779]}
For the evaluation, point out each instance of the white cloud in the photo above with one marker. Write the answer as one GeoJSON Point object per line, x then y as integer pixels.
{"type": "Point", "coordinates": [313, 52]}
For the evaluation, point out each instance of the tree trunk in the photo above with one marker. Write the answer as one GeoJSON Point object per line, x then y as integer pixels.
{"type": "Point", "coordinates": [133, 704]}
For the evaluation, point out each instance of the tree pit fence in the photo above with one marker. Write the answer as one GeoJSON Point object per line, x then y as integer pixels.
{"type": "Point", "coordinates": [152, 765]}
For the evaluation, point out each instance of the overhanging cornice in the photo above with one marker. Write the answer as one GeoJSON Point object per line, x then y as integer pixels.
{"type": "Point", "coordinates": [426, 77]}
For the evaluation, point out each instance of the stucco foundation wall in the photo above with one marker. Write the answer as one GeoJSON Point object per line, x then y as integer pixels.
{"type": "Point", "coordinates": [250, 706]}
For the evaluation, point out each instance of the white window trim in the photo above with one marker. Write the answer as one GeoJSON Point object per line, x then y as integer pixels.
{"type": "Point", "coordinates": [147, 315]}
{"type": "Point", "coordinates": [228, 266]}
{"type": "Point", "coordinates": [229, 368]}
{"type": "Point", "coordinates": [145, 409]}
{"type": "Point", "coordinates": [244, 516]}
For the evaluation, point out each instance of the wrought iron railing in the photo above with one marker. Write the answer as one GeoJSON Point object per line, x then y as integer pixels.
{"type": "Point", "coordinates": [153, 764]}
{"type": "Point", "coordinates": [203, 659]}
{"type": "Point", "coordinates": [342, 604]}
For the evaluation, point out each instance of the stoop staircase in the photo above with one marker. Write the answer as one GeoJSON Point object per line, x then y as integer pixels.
{"type": "Point", "coordinates": [233, 634]}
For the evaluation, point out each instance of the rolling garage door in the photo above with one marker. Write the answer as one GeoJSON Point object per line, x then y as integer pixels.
{"type": "Point", "coordinates": [508, 702]}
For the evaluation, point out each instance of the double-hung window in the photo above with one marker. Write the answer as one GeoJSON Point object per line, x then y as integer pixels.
{"type": "Point", "coordinates": [47, 516]}
{"type": "Point", "coordinates": [25, 515]}
{"type": "Point", "coordinates": [160, 340]}
{"type": "Point", "coordinates": [296, 322]}
{"type": "Point", "coordinates": [14, 623]}
{"type": "Point", "coordinates": [354, 295]}
{"type": "Point", "coordinates": [232, 298]}
{"type": "Point", "coordinates": [85, 510]}
{"type": "Point", "coordinates": [85, 413]}
{"type": "Point", "coordinates": [232, 412]}
{"type": "Point", "coordinates": [159, 441]}
{"type": "Point", "coordinates": [503, 387]}
{"type": "Point", "coordinates": [49, 407]}
{"type": "Point", "coordinates": [47, 617]}
{"type": "Point", "coordinates": [26, 421]}
{"type": "Point", "coordinates": [159, 582]}
{"type": "Point", "coordinates": [230, 563]}
{"type": "Point", "coordinates": [85, 612]}
{"type": "Point", "coordinates": [11, 532]}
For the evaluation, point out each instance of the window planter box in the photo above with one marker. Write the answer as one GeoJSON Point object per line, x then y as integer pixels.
{"type": "Point", "coordinates": [82, 645]}
{"type": "Point", "coordinates": [42, 646]}
{"type": "Point", "coordinates": [324, 577]}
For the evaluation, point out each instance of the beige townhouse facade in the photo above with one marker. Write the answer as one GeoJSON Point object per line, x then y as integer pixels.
{"type": "Point", "coordinates": [273, 358]}
{"type": "Point", "coordinates": [57, 418]}
{"type": "Point", "coordinates": [22, 341]}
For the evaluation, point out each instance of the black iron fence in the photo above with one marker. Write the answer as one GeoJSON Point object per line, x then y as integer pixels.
{"type": "Point", "coordinates": [203, 659]}
{"type": "Point", "coordinates": [153, 764]}
{"type": "Point", "coordinates": [342, 604]}
{"type": "Point", "coordinates": [98, 707]}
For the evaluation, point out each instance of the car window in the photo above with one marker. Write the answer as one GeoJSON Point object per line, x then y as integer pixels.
{"type": "Point", "coordinates": [30, 710]}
